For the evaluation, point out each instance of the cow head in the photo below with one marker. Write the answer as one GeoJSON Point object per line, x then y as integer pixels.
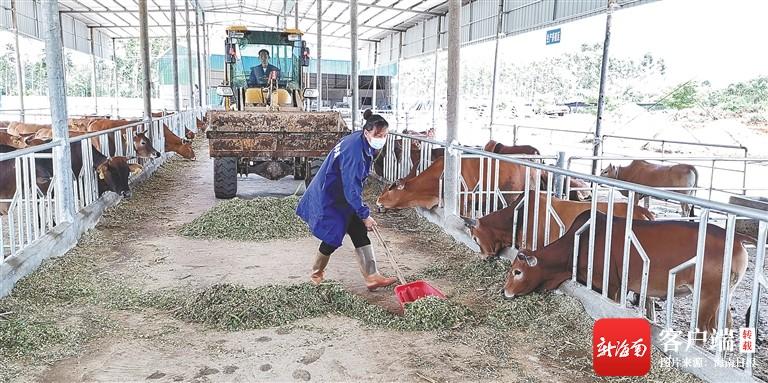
{"type": "Point", "coordinates": [143, 146]}
{"type": "Point", "coordinates": [611, 171]}
{"type": "Point", "coordinates": [490, 241]}
{"type": "Point", "coordinates": [113, 175]}
{"type": "Point", "coordinates": [524, 276]}
{"type": "Point", "coordinates": [389, 197]}
{"type": "Point", "coordinates": [185, 150]}
{"type": "Point", "coordinates": [407, 193]}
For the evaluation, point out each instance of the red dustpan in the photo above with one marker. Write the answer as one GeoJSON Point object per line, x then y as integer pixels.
{"type": "Point", "coordinates": [408, 292]}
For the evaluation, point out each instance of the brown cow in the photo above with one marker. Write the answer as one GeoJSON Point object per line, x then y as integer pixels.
{"type": "Point", "coordinates": [174, 143]}
{"type": "Point", "coordinates": [497, 147]}
{"type": "Point", "coordinates": [415, 155]}
{"type": "Point", "coordinates": [423, 190]}
{"type": "Point", "coordinates": [81, 124]}
{"type": "Point", "coordinates": [112, 173]}
{"type": "Point", "coordinates": [21, 129]}
{"type": "Point", "coordinates": [47, 134]}
{"type": "Point", "coordinates": [660, 176]}
{"type": "Point", "coordinates": [667, 244]}
{"type": "Point", "coordinates": [187, 133]}
{"type": "Point", "coordinates": [493, 232]}
{"type": "Point", "coordinates": [141, 142]}
{"type": "Point", "coordinates": [11, 140]}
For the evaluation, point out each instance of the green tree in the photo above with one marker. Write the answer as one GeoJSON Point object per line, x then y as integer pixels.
{"type": "Point", "coordinates": [743, 97]}
{"type": "Point", "coordinates": [684, 96]}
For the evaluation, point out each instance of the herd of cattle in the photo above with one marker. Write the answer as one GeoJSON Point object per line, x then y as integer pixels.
{"type": "Point", "coordinates": [544, 263]}
{"type": "Point", "coordinates": [112, 171]}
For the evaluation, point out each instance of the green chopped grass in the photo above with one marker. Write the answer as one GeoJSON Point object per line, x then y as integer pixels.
{"type": "Point", "coordinates": [232, 307]}
{"type": "Point", "coordinates": [258, 219]}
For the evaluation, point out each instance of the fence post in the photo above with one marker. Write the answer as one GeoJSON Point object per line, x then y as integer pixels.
{"type": "Point", "coordinates": [62, 157]}
{"type": "Point", "coordinates": [744, 175]}
{"type": "Point", "coordinates": [514, 134]}
{"type": "Point", "coordinates": [559, 180]}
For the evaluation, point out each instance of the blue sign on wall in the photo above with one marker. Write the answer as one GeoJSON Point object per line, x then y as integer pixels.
{"type": "Point", "coordinates": [553, 36]}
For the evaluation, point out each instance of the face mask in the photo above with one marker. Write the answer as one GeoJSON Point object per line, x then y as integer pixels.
{"type": "Point", "coordinates": [377, 143]}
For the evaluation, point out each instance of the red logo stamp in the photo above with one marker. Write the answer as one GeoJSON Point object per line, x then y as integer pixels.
{"type": "Point", "coordinates": [621, 347]}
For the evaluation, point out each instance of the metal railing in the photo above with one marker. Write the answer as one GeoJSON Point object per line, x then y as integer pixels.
{"type": "Point", "coordinates": [634, 244]}
{"type": "Point", "coordinates": [712, 169]}
{"type": "Point", "coordinates": [30, 212]}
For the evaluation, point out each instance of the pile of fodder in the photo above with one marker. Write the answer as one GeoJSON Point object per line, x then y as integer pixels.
{"type": "Point", "coordinates": [259, 219]}
{"type": "Point", "coordinates": [231, 307]}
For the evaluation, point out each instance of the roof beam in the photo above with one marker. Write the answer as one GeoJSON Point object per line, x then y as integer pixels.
{"type": "Point", "coordinates": [388, 7]}
{"type": "Point", "coordinates": [268, 13]}
{"type": "Point", "coordinates": [254, 11]}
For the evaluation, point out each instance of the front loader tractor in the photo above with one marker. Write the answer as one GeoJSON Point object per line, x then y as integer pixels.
{"type": "Point", "coordinates": [263, 126]}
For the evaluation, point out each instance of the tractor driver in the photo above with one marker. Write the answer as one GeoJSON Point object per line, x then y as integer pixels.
{"type": "Point", "coordinates": [259, 74]}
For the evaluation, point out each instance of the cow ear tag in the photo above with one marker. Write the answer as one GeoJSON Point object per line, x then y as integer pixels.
{"type": "Point", "coordinates": [531, 261]}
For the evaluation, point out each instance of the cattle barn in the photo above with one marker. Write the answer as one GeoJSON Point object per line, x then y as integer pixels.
{"type": "Point", "coordinates": [383, 190]}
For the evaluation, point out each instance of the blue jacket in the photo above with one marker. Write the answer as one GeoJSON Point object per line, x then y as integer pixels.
{"type": "Point", "coordinates": [336, 192]}
{"type": "Point", "coordinates": [259, 74]}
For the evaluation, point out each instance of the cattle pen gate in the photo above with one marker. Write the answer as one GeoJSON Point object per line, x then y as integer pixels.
{"type": "Point", "coordinates": [32, 210]}
{"type": "Point", "coordinates": [709, 213]}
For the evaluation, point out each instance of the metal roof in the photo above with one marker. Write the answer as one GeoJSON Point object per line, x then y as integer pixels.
{"type": "Point", "coordinates": [376, 18]}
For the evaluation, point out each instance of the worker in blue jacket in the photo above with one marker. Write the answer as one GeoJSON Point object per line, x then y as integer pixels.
{"type": "Point", "coordinates": [333, 203]}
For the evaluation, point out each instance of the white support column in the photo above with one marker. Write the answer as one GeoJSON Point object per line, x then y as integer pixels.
{"type": "Point", "coordinates": [175, 59]}
{"type": "Point", "coordinates": [398, 104]}
{"type": "Point", "coordinates": [94, 91]}
{"type": "Point", "coordinates": [451, 183]}
{"type": "Point", "coordinates": [319, 53]}
{"type": "Point", "coordinates": [434, 82]}
{"type": "Point", "coordinates": [598, 139]}
{"type": "Point", "coordinates": [199, 59]}
{"type": "Point", "coordinates": [206, 58]}
{"type": "Point", "coordinates": [499, 24]}
{"type": "Point", "coordinates": [375, 63]}
{"type": "Point", "coordinates": [296, 17]}
{"type": "Point", "coordinates": [144, 49]}
{"type": "Point", "coordinates": [116, 83]}
{"type": "Point", "coordinates": [189, 55]}
{"type": "Point", "coordinates": [62, 158]}
{"type": "Point", "coordinates": [17, 52]}
{"type": "Point", "coordinates": [354, 71]}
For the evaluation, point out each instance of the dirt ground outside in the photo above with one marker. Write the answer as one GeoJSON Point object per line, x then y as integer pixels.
{"type": "Point", "coordinates": [109, 310]}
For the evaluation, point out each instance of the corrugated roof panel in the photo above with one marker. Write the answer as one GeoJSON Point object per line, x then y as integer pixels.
{"type": "Point", "coordinates": [334, 11]}
{"type": "Point", "coordinates": [465, 22]}
{"type": "Point", "coordinates": [381, 17]}
{"type": "Point", "coordinates": [366, 13]}
{"type": "Point", "coordinates": [26, 18]}
{"type": "Point", "coordinates": [484, 20]}
{"type": "Point", "coordinates": [394, 21]}
{"type": "Point", "coordinates": [6, 20]}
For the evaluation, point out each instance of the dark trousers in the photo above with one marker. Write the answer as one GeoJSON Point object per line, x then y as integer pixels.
{"type": "Point", "coordinates": [356, 231]}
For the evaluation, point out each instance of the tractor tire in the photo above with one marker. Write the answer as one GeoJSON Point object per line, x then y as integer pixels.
{"type": "Point", "coordinates": [299, 168]}
{"type": "Point", "coordinates": [313, 166]}
{"type": "Point", "coordinates": [225, 177]}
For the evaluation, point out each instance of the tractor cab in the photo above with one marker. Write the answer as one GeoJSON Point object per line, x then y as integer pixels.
{"type": "Point", "coordinates": [263, 70]}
